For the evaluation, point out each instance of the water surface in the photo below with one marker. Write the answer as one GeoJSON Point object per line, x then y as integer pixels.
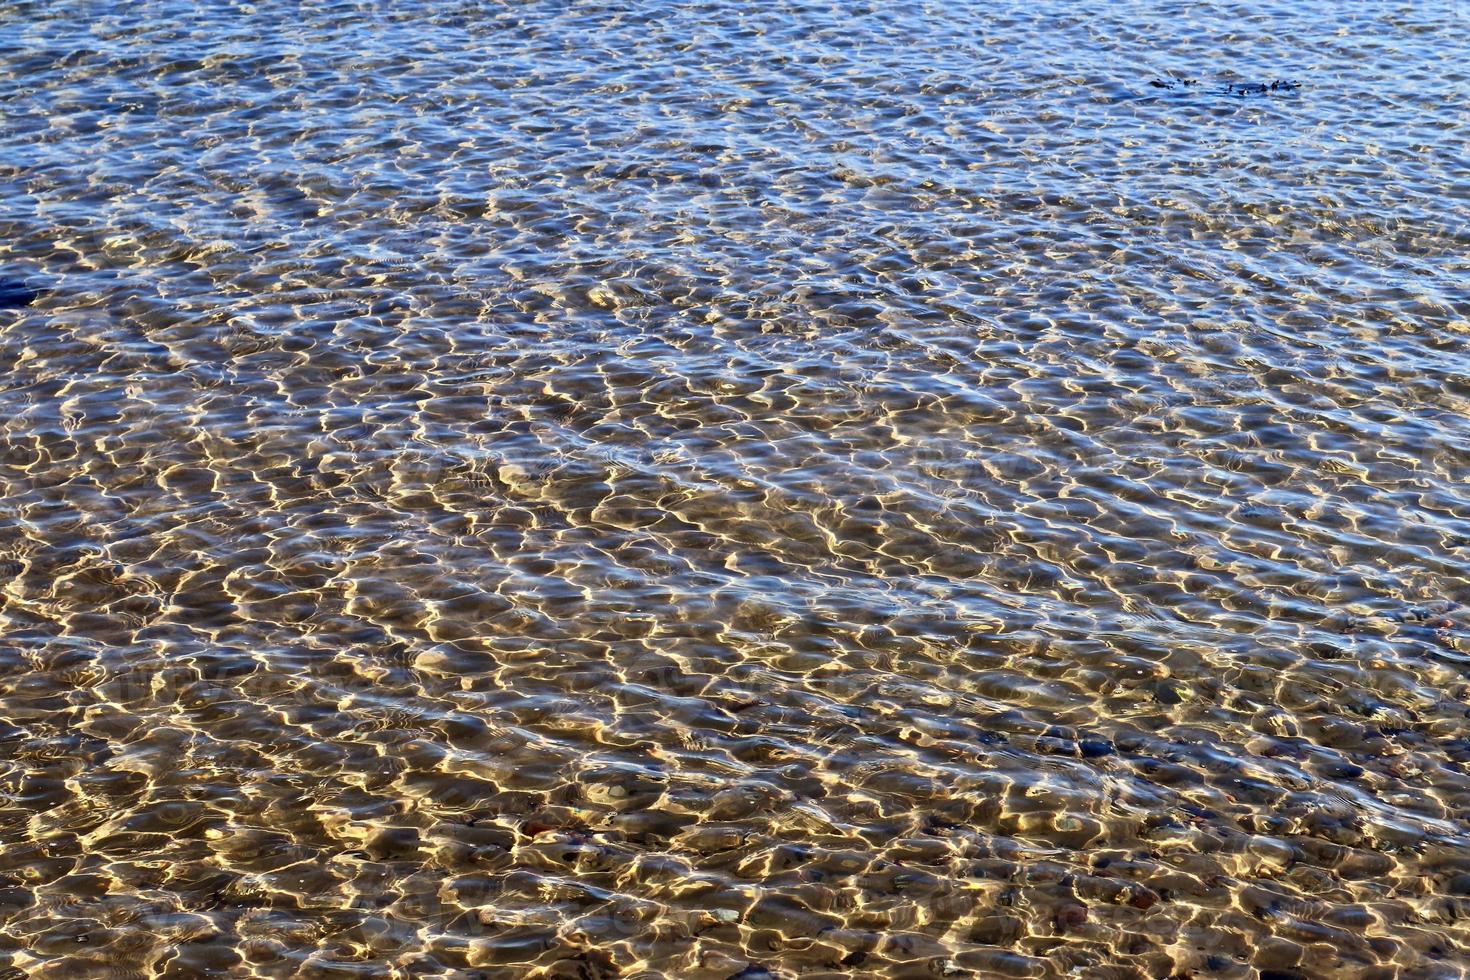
{"type": "Point", "coordinates": [709, 490]}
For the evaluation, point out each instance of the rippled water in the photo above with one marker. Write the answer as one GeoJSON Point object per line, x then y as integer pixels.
{"type": "Point", "coordinates": [706, 490]}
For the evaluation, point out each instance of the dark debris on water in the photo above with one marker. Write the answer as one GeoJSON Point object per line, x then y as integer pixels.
{"type": "Point", "coordinates": [1276, 86]}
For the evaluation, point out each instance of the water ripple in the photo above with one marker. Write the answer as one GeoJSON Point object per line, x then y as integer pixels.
{"type": "Point", "coordinates": [675, 489]}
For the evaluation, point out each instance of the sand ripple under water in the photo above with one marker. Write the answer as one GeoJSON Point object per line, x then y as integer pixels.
{"type": "Point", "coordinates": [706, 490]}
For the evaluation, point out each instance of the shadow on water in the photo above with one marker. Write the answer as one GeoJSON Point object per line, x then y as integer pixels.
{"type": "Point", "coordinates": [15, 294]}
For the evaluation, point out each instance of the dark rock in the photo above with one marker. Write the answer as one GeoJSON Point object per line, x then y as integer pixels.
{"type": "Point", "coordinates": [1095, 748]}
{"type": "Point", "coordinates": [1167, 693]}
{"type": "Point", "coordinates": [1070, 917]}
{"type": "Point", "coordinates": [394, 843]}
{"type": "Point", "coordinates": [997, 930]}
{"type": "Point", "coordinates": [592, 964]}
{"type": "Point", "coordinates": [1458, 885]}
{"type": "Point", "coordinates": [1143, 898]}
{"type": "Point", "coordinates": [1055, 746]}
{"type": "Point", "coordinates": [15, 899]}
{"type": "Point", "coordinates": [754, 972]}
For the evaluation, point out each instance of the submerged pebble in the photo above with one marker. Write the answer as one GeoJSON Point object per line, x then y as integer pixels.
{"type": "Point", "coordinates": [1070, 917]}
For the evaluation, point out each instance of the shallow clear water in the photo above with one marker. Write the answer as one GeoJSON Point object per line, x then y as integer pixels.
{"type": "Point", "coordinates": [707, 490]}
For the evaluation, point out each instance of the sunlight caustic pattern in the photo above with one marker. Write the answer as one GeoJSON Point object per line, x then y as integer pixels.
{"type": "Point", "coordinates": [701, 490]}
